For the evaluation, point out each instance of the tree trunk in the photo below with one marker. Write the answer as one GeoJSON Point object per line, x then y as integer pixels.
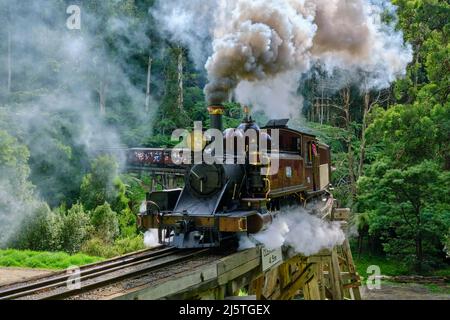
{"type": "Point", "coordinates": [416, 77]}
{"type": "Point", "coordinates": [419, 253]}
{"type": "Point", "coordinates": [321, 109]}
{"type": "Point", "coordinates": [147, 92]}
{"type": "Point", "coordinates": [346, 100]}
{"type": "Point", "coordinates": [316, 111]}
{"type": "Point", "coordinates": [362, 154]}
{"type": "Point", "coordinates": [102, 97]}
{"type": "Point", "coordinates": [360, 244]}
{"type": "Point", "coordinates": [419, 248]}
{"type": "Point", "coordinates": [180, 80]}
{"type": "Point", "coordinates": [9, 60]}
{"type": "Point", "coordinates": [351, 172]}
{"type": "Point", "coordinates": [328, 112]}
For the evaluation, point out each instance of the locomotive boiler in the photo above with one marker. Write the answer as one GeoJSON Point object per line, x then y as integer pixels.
{"type": "Point", "coordinates": [223, 200]}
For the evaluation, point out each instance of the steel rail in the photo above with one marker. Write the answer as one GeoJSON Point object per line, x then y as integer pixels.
{"type": "Point", "coordinates": [99, 276]}
{"type": "Point", "coordinates": [62, 277]}
{"type": "Point", "coordinates": [172, 259]}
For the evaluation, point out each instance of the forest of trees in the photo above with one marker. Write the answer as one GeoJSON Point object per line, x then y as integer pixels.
{"type": "Point", "coordinates": [134, 87]}
{"type": "Point", "coordinates": [391, 147]}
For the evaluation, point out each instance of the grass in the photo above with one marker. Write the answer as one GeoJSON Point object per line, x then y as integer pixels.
{"type": "Point", "coordinates": [387, 267]}
{"type": "Point", "coordinates": [94, 250]}
{"type": "Point", "coordinates": [98, 248]}
{"type": "Point", "coordinates": [434, 288]}
{"type": "Point", "coordinates": [442, 273]}
{"type": "Point", "coordinates": [43, 260]}
{"type": "Point", "coordinates": [243, 293]}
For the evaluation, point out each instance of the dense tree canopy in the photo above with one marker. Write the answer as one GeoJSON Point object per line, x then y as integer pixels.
{"type": "Point", "coordinates": [400, 138]}
{"type": "Point", "coordinates": [406, 187]}
{"type": "Point", "coordinates": [67, 97]}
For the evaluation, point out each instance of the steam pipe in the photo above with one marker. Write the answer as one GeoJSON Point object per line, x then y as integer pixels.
{"type": "Point", "coordinates": [215, 114]}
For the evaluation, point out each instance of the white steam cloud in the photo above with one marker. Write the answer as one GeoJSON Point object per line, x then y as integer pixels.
{"type": "Point", "coordinates": [303, 232]}
{"type": "Point", "coordinates": [255, 42]}
{"type": "Point", "coordinates": [280, 91]}
{"type": "Point", "coordinates": [58, 76]}
{"type": "Point", "coordinates": [246, 243]}
{"type": "Point", "coordinates": [151, 238]}
{"type": "Point", "coordinates": [189, 23]}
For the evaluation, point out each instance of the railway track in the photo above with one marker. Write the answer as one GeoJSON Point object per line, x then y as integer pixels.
{"type": "Point", "coordinates": [64, 284]}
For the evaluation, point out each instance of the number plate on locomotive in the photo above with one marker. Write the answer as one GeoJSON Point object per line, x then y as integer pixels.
{"type": "Point", "coordinates": [271, 258]}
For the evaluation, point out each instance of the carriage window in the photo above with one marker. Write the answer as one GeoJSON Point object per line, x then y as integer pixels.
{"type": "Point", "coordinates": [289, 172]}
{"type": "Point", "coordinates": [296, 144]}
{"type": "Point", "coordinates": [307, 156]}
{"type": "Point", "coordinates": [310, 152]}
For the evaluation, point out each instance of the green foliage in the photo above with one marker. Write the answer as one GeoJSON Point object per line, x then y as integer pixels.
{"type": "Point", "coordinates": [171, 115]}
{"type": "Point", "coordinates": [407, 211]}
{"type": "Point", "coordinates": [404, 195]}
{"type": "Point", "coordinates": [14, 161]}
{"type": "Point", "coordinates": [408, 134]}
{"type": "Point", "coordinates": [233, 115]}
{"type": "Point", "coordinates": [56, 158]}
{"type": "Point", "coordinates": [135, 190]}
{"type": "Point", "coordinates": [438, 289]}
{"type": "Point", "coordinates": [445, 272]}
{"type": "Point", "coordinates": [101, 184]}
{"type": "Point", "coordinates": [447, 244]}
{"type": "Point", "coordinates": [41, 231]}
{"type": "Point", "coordinates": [76, 229]}
{"type": "Point", "coordinates": [46, 230]}
{"type": "Point", "coordinates": [159, 141]}
{"type": "Point", "coordinates": [105, 223]}
{"type": "Point", "coordinates": [17, 198]}
{"type": "Point", "coordinates": [403, 191]}
{"type": "Point", "coordinates": [43, 260]}
{"type": "Point", "coordinates": [243, 293]}
{"type": "Point", "coordinates": [98, 247]}
{"type": "Point", "coordinates": [104, 185]}
{"type": "Point", "coordinates": [129, 244]}
{"type": "Point", "coordinates": [54, 153]}
{"type": "Point", "coordinates": [127, 223]}
{"type": "Point", "coordinates": [388, 266]}
{"type": "Point", "coordinates": [333, 136]}
{"type": "Point", "coordinates": [426, 27]}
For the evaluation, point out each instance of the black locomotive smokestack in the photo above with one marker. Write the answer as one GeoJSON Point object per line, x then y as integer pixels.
{"type": "Point", "coordinates": [215, 114]}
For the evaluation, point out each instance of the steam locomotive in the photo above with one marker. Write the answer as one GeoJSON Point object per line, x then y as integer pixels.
{"type": "Point", "coordinates": [221, 201]}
